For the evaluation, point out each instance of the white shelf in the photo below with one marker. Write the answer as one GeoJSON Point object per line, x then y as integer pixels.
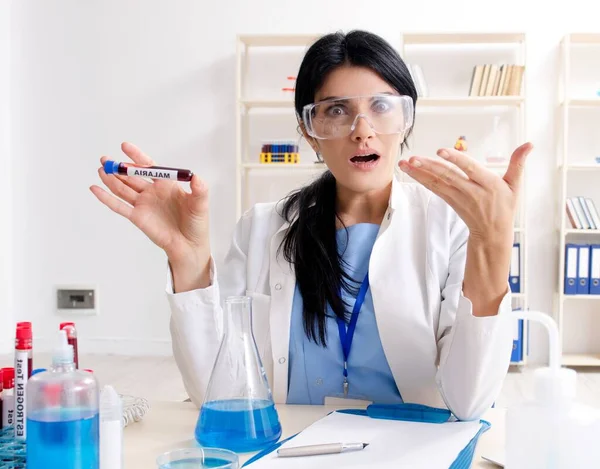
{"type": "Point", "coordinates": [566, 305]}
{"type": "Point", "coordinates": [580, 297]}
{"type": "Point", "coordinates": [582, 102]}
{"type": "Point", "coordinates": [583, 167]}
{"type": "Point", "coordinates": [581, 359]}
{"type": "Point", "coordinates": [584, 38]}
{"type": "Point", "coordinates": [277, 40]}
{"type": "Point", "coordinates": [469, 101]}
{"type": "Point", "coordinates": [462, 38]}
{"type": "Point", "coordinates": [581, 231]}
{"type": "Point", "coordinates": [286, 166]}
{"type": "Point", "coordinates": [268, 103]}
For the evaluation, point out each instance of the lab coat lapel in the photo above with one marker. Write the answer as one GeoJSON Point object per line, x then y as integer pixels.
{"type": "Point", "coordinates": [282, 282]}
{"type": "Point", "coordinates": [397, 273]}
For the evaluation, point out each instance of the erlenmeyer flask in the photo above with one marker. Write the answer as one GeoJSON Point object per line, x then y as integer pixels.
{"type": "Point", "coordinates": [238, 412]}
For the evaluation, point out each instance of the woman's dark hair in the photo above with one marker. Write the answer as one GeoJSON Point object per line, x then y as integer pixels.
{"type": "Point", "coordinates": [310, 242]}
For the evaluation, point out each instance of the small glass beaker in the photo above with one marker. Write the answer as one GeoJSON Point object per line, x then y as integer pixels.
{"type": "Point", "coordinates": [238, 412]}
{"type": "Point", "coordinates": [198, 458]}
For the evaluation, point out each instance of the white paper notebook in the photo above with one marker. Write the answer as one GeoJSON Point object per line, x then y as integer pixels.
{"type": "Point", "coordinates": [392, 443]}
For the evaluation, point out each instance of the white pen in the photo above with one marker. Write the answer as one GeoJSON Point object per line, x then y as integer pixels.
{"type": "Point", "coordinates": [313, 450]}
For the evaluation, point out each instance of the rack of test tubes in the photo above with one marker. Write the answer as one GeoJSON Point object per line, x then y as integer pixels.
{"type": "Point", "coordinates": [13, 394]}
{"type": "Point", "coordinates": [12, 451]}
{"type": "Point", "coordinates": [280, 152]}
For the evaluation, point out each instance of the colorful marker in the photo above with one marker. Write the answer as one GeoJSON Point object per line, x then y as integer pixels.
{"type": "Point", "coordinates": [154, 172]}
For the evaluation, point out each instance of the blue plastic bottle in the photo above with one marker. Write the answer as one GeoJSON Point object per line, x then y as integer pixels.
{"type": "Point", "coordinates": [62, 415]}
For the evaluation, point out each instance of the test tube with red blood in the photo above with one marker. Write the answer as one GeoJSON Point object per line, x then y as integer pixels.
{"type": "Point", "coordinates": [153, 172]}
{"type": "Point", "coordinates": [23, 369]}
{"type": "Point", "coordinates": [24, 347]}
{"type": "Point", "coordinates": [69, 328]}
{"type": "Point", "coordinates": [1, 388]}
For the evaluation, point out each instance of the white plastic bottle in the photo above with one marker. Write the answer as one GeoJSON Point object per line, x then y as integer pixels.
{"type": "Point", "coordinates": [552, 431]}
{"type": "Point", "coordinates": [111, 429]}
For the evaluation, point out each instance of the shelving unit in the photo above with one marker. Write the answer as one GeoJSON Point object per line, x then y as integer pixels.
{"type": "Point", "coordinates": [489, 48]}
{"type": "Point", "coordinates": [577, 175]}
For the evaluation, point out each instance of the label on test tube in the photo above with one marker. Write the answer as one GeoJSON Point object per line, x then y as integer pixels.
{"type": "Point", "coordinates": [21, 374]}
{"type": "Point", "coordinates": [8, 408]}
{"type": "Point", "coordinates": [152, 173]}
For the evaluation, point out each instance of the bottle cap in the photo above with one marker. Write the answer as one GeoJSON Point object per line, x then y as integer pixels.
{"type": "Point", "coordinates": [8, 376]}
{"type": "Point", "coordinates": [111, 167]}
{"type": "Point", "coordinates": [24, 324]}
{"type": "Point", "coordinates": [111, 406]}
{"type": "Point", "coordinates": [24, 333]}
{"type": "Point", "coordinates": [63, 352]}
{"type": "Point", "coordinates": [69, 327]}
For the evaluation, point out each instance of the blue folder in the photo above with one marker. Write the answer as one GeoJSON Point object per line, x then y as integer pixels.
{"type": "Point", "coordinates": [583, 269]}
{"type": "Point", "coordinates": [594, 271]}
{"type": "Point", "coordinates": [571, 268]}
{"type": "Point", "coordinates": [406, 412]}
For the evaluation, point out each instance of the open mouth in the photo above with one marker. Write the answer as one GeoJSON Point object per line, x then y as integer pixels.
{"type": "Point", "coordinates": [365, 158]}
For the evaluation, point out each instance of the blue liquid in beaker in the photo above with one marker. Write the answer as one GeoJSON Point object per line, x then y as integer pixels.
{"type": "Point", "coordinates": [240, 425]}
{"type": "Point", "coordinates": [197, 463]}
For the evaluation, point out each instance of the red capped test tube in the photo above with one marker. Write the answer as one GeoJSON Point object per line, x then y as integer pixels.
{"type": "Point", "coordinates": [69, 328]}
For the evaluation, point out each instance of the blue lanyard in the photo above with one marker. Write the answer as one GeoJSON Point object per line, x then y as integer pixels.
{"type": "Point", "coordinates": [347, 336]}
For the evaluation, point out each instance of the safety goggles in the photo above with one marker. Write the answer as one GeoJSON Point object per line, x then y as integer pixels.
{"type": "Point", "coordinates": [338, 117]}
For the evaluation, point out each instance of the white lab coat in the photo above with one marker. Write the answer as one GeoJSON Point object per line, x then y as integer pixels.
{"type": "Point", "coordinates": [439, 353]}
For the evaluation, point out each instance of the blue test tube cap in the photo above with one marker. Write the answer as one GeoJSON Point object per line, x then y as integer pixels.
{"type": "Point", "coordinates": [111, 167]}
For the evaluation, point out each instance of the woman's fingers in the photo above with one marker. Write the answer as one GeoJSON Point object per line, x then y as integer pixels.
{"type": "Point", "coordinates": [440, 184]}
{"type": "Point", "coordinates": [116, 205]}
{"type": "Point", "coordinates": [137, 184]}
{"type": "Point", "coordinates": [473, 169]}
{"type": "Point", "coordinates": [118, 187]}
{"type": "Point", "coordinates": [136, 155]}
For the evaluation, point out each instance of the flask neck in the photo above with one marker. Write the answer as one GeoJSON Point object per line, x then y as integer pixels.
{"type": "Point", "coordinates": [239, 317]}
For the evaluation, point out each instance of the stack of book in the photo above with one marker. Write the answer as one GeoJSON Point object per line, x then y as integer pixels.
{"type": "Point", "coordinates": [582, 213]}
{"type": "Point", "coordinates": [497, 80]}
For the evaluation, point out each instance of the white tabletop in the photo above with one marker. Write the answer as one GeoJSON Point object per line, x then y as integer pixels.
{"type": "Point", "coordinates": [170, 425]}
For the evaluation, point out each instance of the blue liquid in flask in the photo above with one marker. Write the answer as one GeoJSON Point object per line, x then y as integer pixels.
{"type": "Point", "coordinates": [63, 439]}
{"type": "Point", "coordinates": [239, 425]}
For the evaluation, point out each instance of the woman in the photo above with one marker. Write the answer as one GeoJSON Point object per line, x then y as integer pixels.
{"type": "Point", "coordinates": [427, 319]}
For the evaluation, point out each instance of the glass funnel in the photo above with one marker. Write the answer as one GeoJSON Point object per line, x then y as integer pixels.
{"type": "Point", "coordinates": [238, 412]}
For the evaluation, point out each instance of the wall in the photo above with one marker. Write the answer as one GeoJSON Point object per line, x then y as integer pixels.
{"type": "Point", "coordinates": [88, 75]}
{"type": "Point", "coordinates": [6, 290]}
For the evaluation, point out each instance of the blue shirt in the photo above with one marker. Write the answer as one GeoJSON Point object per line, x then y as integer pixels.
{"type": "Point", "coordinates": [316, 372]}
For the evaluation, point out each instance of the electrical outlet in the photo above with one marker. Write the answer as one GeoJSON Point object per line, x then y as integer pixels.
{"type": "Point", "coordinates": [77, 299]}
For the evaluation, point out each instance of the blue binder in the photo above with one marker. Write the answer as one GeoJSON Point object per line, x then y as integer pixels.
{"type": "Point", "coordinates": [515, 269]}
{"type": "Point", "coordinates": [407, 412]}
{"type": "Point", "coordinates": [571, 268]}
{"type": "Point", "coordinates": [595, 269]}
{"type": "Point", "coordinates": [517, 351]}
{"type": "Point", "coordinates": [583, 269]}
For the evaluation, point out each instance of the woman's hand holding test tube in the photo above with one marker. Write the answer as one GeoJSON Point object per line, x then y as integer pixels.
{"type": "Point", "coordinates": [175, 220]}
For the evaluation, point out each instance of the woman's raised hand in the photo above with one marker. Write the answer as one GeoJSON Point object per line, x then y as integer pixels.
{"type": "Point", "coordinates": [175, 220]}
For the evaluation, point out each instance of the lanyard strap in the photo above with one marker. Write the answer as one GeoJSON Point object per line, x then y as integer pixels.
{"type": "Point", "coordinates": [347, 336]}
